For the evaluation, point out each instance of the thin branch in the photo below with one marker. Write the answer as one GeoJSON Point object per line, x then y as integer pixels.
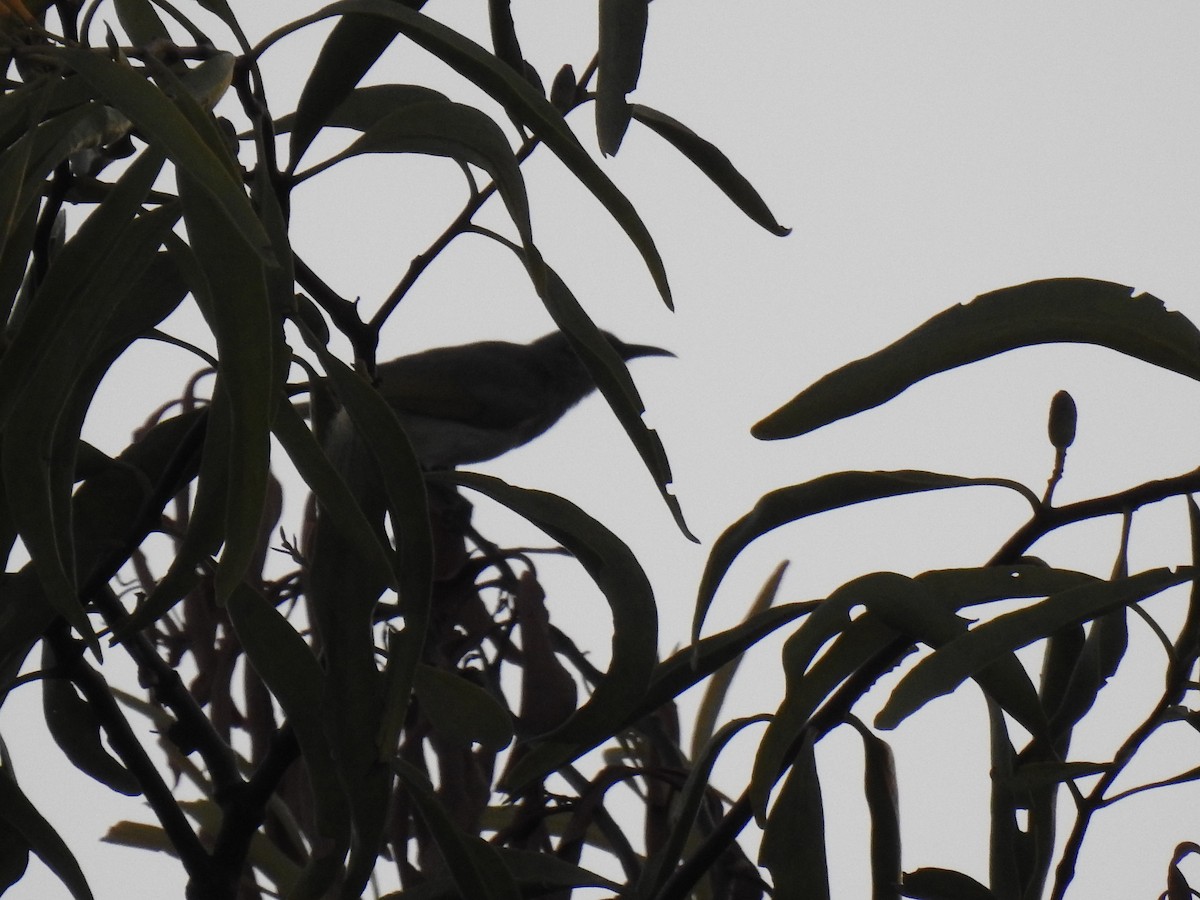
{"type": "Point", "coordinates": [70, 660]}
{"type": "Point", "coordinates": [195, 730]}
{"type": "Point", "coordinates": [1051, 518]}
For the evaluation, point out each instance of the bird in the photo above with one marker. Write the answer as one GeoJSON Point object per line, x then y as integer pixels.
{"type": "Point", "coordinates": [470, 403]}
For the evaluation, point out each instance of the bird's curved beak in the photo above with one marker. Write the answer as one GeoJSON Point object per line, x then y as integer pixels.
{"type": "Point", "coordinates": [634, 351]}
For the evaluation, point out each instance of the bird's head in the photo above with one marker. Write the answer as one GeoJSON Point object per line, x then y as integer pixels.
{"type": "Point", "coordinates": [556, 343]}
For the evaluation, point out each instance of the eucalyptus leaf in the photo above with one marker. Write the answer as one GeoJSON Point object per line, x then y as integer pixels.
{"type": "Point", "coordinates": [1056, 310]}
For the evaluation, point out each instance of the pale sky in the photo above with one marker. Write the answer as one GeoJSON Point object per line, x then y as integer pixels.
{"type": "Point", "coordinates": [923, 153]}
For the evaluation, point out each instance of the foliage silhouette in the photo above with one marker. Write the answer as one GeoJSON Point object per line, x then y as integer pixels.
{"type": "Point", "coordinates": [398, 698]}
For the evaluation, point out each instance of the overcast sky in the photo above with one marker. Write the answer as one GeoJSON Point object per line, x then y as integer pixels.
{"type": "Point", "coordinates": [923, 153]}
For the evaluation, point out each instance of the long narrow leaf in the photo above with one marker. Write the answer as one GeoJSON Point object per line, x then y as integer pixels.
{"type": "Point", "coordinates": [616, 571]}
{"type": "Point", "coordinates": [1056, 310]}
{"type": "Point", "coordinates": [235, 303]}
{"type": "Point", "coordinates": [713, 163]}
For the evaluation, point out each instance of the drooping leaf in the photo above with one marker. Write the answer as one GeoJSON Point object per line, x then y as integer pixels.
{"type": "Point", "coordinates": [613, 382]}
{"type": "Point", "coordinates": [1056, 310]}
{"type": "Point", "coordinates": [713, 163]}
{"type": "Point", "coordinates": [616, 571]}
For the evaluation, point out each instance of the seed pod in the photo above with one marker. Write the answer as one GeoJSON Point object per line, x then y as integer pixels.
{"type": "Point", "coordinates": [1062, 421]}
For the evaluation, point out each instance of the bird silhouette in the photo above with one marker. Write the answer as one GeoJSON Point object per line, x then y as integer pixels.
{"type": "Point", "coordinates": [473, 402]}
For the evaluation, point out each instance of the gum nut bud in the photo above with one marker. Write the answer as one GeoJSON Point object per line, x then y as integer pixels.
{"type": "Point", "coordinates": [1062, 421]}
{"type": "Point", "coordinates": [563, 90]}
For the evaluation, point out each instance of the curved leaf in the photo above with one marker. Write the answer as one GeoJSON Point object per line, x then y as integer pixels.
{"type": "Point", "coordinates": [1003, 677]}
{"type": "Point", "coordinates": [840, 489]}
{"type": "Point", "coordinates": [944, 884]}
{"type": "Point", "coordinates": [616, 571]}
{"type": "Point", "coordinates": [686, 811]}
{"type": "Point", "coordinates": [810, 679]}
{"type": "Point", "coordinates": [46, 390]}
{"type": "Point", "coordinates": [713, 163]}
{"type": "Point", "coordinates": [616, 386]}
{"type": "Point", "coordinates": [1056, 310]}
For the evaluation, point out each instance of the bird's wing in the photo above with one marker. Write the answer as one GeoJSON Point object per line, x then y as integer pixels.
{"type": "Point", "coordinates": [496, 389]}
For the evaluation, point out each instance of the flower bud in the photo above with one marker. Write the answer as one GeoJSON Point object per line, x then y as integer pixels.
{"type": "Point", "coordinates": [1062, 421]}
